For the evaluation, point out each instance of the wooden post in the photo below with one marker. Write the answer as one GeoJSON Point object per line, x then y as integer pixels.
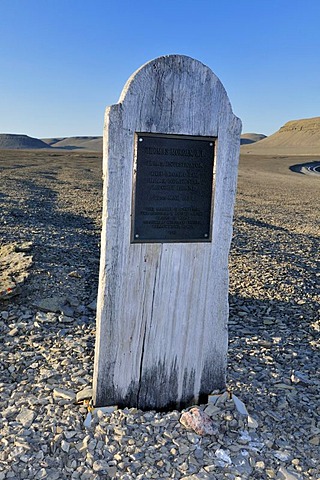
{"type": "Point", "coordinates": [162, 310]}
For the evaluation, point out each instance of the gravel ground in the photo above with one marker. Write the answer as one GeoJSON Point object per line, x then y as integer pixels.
{"type": "Point", "coordinates": [50, 211]}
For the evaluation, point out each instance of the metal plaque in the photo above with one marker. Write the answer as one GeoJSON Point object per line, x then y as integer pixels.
{"type": "Point", "coordinates": [172, 198]}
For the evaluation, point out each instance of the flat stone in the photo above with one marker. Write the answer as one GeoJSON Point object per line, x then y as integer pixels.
{"type": "Point", "coordinates": [284, 386]}
{"type": "Point", "coordinates": [75, 274]}
{"type": "Point", "coordinates": [93, 305]}
{"type": "Point", "coordinates": [111, 471]}
{"type": "Point", "coordinates": [100, 411]}
{"type": "Point", "coordinates": [66, 394]}
{"type": "Point", "coordinates": [242, 465]}
{"type": "Point", "coordinates": [193, 438]}
{"type": "Point", "coordinates": [46, 317]}
{"type": "Point", "coordinates": [211, 409]}
{"type": "Point", "coordinates": [51, 304]}
{"type": "Point", "coordinates": [13, 332]}
{"type": "Point", "coordinates": [210, 468]}
{"type": "Point", "coordinates": [26, 417]}
{"type": "Point", "coordinates": [183, 449]}
{"type": "Point", "coordinates": [282, 455]}
{"type": "Point", "coordinates": [9, 412]}
{"type": "Point", "coordinates": [84, 394]}
{"type": "Point", "coordinates": [53, 475]}
{"type": "Point", "coordinates": [315, 440]}
{"type": "Point", "coordinates": [284, 474]}
{"type": "Point", "coordinates": [67, 310]}
{"type": "Point", "coordinates": [65, 319]}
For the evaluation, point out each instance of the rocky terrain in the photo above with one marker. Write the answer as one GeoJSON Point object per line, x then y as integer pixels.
{"type": "Point", "coordinates": [50, 220]}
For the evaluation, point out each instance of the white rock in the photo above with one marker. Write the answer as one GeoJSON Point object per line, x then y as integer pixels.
{"type": "Point", "coordinates": [26, 417]}
{"type": "Point", "coordinates": [223, 455]}
{"type": "Point", "coordinates": [48, 317]}
{"type": "Point", "coordinates": [252, 423]}
{"type": "Point", "coordinates": [42, 474]}
{"type": "Point", "coordinates": [13, 332]}
{"type": "Point", "coordinates": [283, 456]}
{"type": "Point", "coordinates": [65, 446]}
{"type": "Point", "coordinates": [65, 319]}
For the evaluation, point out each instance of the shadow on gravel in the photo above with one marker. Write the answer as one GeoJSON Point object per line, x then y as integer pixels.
{"type": "Point", "coordinates": [269, 340]}
{"type": "Point", "coordinates": [17, 166]}
{"type": "Point", "coordinates": [63, 241]}
{"type": "Point", "coordinates": [259, 223]}
{"type": "Point", "coordinates": [274, 306]}
{"type": "Point", "coordinates": [276, 242]}
{"type": "Point", "coordinates": [40, 208]}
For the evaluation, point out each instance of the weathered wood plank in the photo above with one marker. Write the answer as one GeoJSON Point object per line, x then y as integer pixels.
{"type": "Point", "coordinates": [163, 307]}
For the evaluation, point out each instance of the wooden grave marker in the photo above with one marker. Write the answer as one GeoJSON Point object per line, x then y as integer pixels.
{"type": "Point", "coordinates": [171, 148]}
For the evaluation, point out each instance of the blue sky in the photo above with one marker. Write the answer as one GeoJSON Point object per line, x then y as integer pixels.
{"type": "Point", "coordinates": [63, 61]}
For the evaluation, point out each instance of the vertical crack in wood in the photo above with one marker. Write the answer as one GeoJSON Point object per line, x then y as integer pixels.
{"type": "Point", "coordinates": [157, 270]}
{"type": "Point", "coordinates": [142, 356]}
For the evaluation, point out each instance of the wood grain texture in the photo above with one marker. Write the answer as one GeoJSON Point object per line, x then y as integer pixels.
{"type": "Point", "coordinates": [163, 307]}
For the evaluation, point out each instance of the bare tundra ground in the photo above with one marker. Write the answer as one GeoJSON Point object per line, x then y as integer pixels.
{"type": "Point", "coordinates": [54, 200]}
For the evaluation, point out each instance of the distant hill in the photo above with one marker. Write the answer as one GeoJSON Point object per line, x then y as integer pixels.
{"type": "Point", "coordinates": [297, 137]}
{"type": "Point", "coordinates": [10, 141]}
{"type": "Point", "coordinates": [247, 138]}
{"type": "Point", "coordinates": [52, 141]}
{"type": "Point", "coordinates": [76, 143]}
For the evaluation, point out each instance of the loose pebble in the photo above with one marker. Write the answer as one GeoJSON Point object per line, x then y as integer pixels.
{"type": "Point", "coordinates": [66, 394]}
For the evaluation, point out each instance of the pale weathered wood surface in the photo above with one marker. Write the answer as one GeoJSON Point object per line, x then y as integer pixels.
{"type": "Point", "coordinates": [163, 308]}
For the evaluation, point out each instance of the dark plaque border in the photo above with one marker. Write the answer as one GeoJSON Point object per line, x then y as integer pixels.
{"type": "Point", "coordinates": [172, 189]}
